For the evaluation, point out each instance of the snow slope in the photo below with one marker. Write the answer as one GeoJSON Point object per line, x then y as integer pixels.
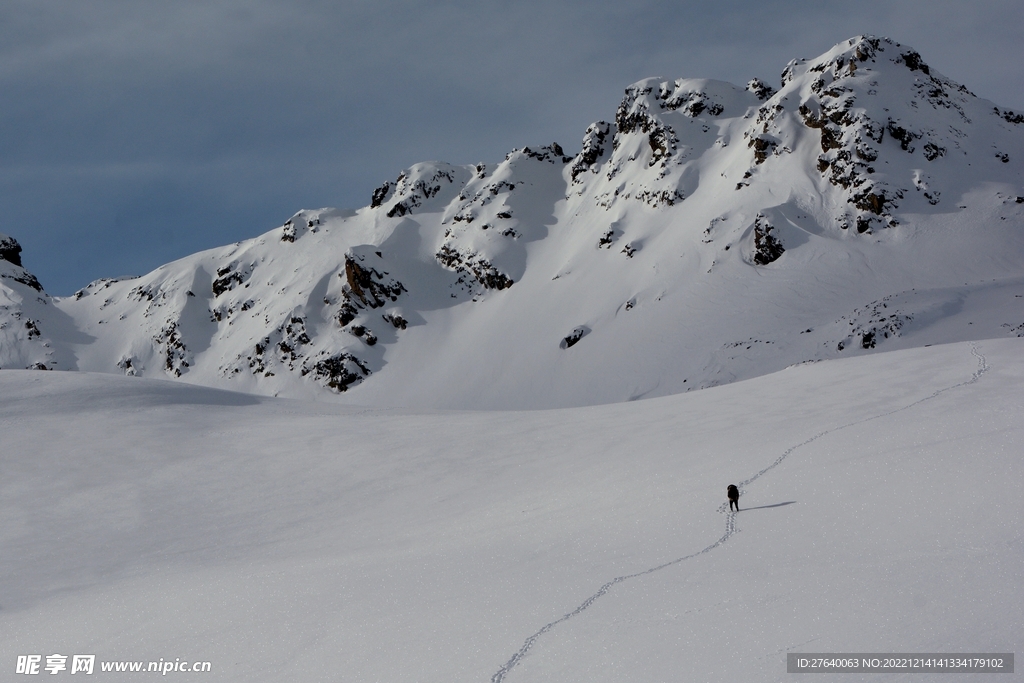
{"type": "Point", "coordinates": [710, 233]}
{"type": "Point", "coordinates": [290, 540]}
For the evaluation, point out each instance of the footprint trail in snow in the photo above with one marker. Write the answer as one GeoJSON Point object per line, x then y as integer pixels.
{"type": "Point", "coordinates": [730, 520]}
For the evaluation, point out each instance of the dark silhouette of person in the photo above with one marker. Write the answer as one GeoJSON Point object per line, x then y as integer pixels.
{"type": "Point", "coordinates": [734, 497]}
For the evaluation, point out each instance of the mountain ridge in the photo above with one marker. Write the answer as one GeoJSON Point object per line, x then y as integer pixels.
{"type": "Point", "coordinates": [710, 233]}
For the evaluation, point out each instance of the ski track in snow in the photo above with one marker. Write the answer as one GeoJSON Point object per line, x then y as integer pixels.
{"type": "Point", "coordinates": [730, 520]}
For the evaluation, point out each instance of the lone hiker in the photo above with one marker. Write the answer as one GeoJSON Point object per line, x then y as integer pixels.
{"type": "Point", "coordinates": [734, 497]}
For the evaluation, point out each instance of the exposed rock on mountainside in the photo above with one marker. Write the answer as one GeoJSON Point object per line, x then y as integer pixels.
{"type": "Point", "coordinates": [766, 247]}
{"type": "Point", "coordinates": [337, 372]}
{"type": "Point", "coordinates": [417, 186]}
{"type": "Point", "coordinates": [24, 340]}
{"type": "Point", "coordinates": [572, 338]}
{"type": "Point", "coordinates": [10, 251]}
{"type": "Point", "coordinates": [366, 287]}
{"type": "Point", "coordinates": [593, 150]}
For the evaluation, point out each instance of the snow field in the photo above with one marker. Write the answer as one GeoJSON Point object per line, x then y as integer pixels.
{"type": "Point", "coordinates": [288, 540]}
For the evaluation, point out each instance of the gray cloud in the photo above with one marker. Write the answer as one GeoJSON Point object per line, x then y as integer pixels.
{"type": "Point", "coordinates": [137, 132]}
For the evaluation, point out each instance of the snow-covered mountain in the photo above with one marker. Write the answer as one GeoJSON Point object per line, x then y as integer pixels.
{"type": "Point", "coordinates": [710, 233]}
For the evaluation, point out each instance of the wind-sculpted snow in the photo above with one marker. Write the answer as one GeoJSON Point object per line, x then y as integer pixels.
{"type": "Point", "coordinates": [706, 233]}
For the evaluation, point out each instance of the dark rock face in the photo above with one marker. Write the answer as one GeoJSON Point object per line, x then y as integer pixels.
{"type": "Point", "coordinates": [366, 335]}
{"type": "Point", "coordinates": [766, 247]}
{"type": "Point", "coordinates": [593, 149]}
{"type": "Point", "coordinates": [849, 139]}
{"type": "Point", "coordinates": [337, 372]}
{"type": "Point", "coordinates": [26, 278]}
{"type": "Point", "coordinates": [289, 348]}
{"type": "Point", "coordinates": [692, 103]}
{"type": "Point", "coordinates": [299, 224]}
{"type": "Point", "coordinates": [760, 89]}
{"type": "Point", "coordinates": [763, 146]}
{"type": "Point", "coordinates": [651, 122]}
{"type": "Point", "coordinates": [413, 190]}
{"type": "Point", "coordinates": [381, 194]}
{"type": "Point", "coordinates": [550, 153]}
{"type": "Point", "coordinates": [633, 116]}
{"type": "Point", "coordinates": [231, 276]}
{"type": "Point", "coordinates": [177, 357]}
{"type": "Point", "coordinates": [608, 238]}
{"type": "Point", "coordinates": [573, 338]}
{"type": "Point", "coordinates": [293, 337]}
{"type": "Point", "coordinates": [873, 324]}
{"type": "Point", "coordinates": [129, 366]}
{"type": "Point", "coordinates": [480, 268]}
{"type": "Point", "coordinates": [10, 250]}
{"type": "Point", "coordinates": [914, 62]}
{"type": "Point", "coordinates": [396, 320]}
{"type": "Point", "coordinates": [1009, 116]}
{"type": "Point", "coordinates": [368, 286]}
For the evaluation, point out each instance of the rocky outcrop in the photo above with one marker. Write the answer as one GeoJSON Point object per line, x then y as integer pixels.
{"type": "Point", "coordinates": [760, 89]}
{"type": "Point", "coordinates": [553, 154]}
{"type": "Point", "coordinates": [416, 186]}
{"type": "Point", "coordinates": [291, 349]}
{"type": "Point", "coordinates": [633, 116]}
{"type": "Point", "coordinates": [593, 150]}
{"type": "Point", "coordinates": [574, 337]}
{"type": "Point", "coordinates": [475, 265]}
{"type": "Point", "coordinates": [365, 285]}
{"type": "Point", "coordinates": [871, 325]}
{"type": "Point", "coordinates": [337, 372]}
{"type": "Point", "coordinates": [763, 147]}
{"type": "Point", "coordinates": [10, 252]}
{"type": "Point", "coordinates": [678, 96]}
{"type": "Point", "coordinates": [497, 211]}
{"type": "Point", "coordinates": [231, 276]}
{"type": "Point", "coordinates": [176, 357]}
{"type": "Point", "coordinates": [24, 277]}
{"type": "Point", "coordinates": [767, 247]}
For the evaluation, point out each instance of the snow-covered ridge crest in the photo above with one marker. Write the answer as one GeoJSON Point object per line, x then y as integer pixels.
{"type": "Point", "coordinates": [708, 232]}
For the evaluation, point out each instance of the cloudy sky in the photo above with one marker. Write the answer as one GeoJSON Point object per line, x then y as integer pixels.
{"type": "Point", "coordinates": [136, 132]}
